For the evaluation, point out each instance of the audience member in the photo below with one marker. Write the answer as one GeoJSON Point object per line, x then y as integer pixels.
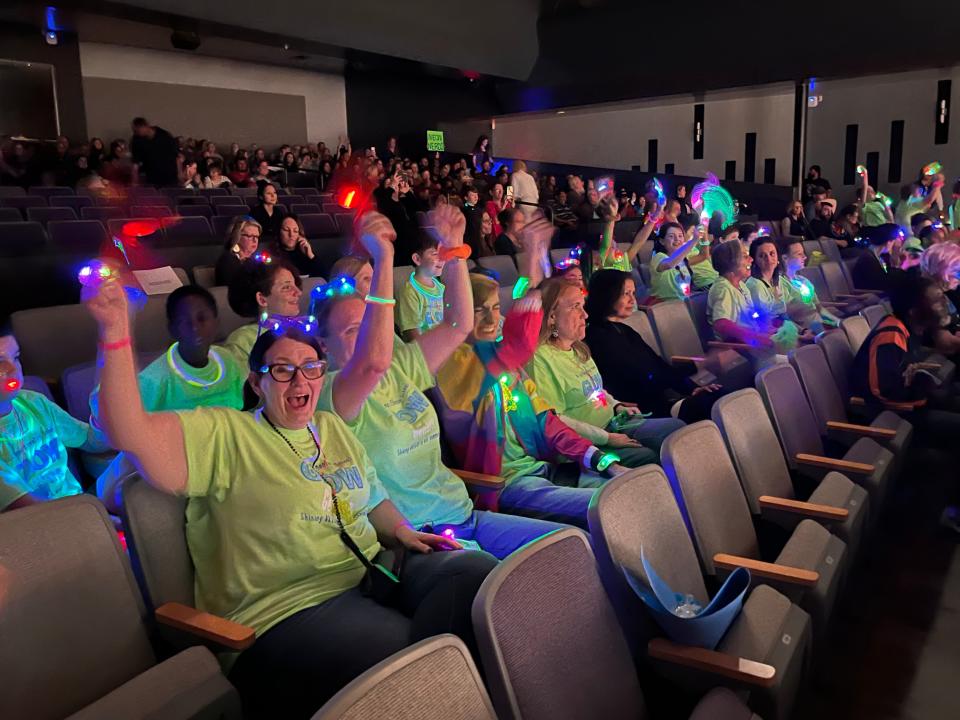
{"type": "Point", "coordinates": [512, 221]}
{"type": "Point", "coordinates": [420, 301]}
{"type": "Point", "coordinates": [215, 177]}
{"type": "Point", "coordinates": [266, 290]}
{"type": "Point", "coordinates": [243, 239]}
{"type": "Point", "coordinates": [670, 275]}
{"type": "Point", "coordinates": [526, 196]}
{"type": "Point", "coordinates": [815, 184]}
{"type": "Point", "coordinates": [794, 223]}
{"type": "Point", "coordinates": [155, 150]}
{"type": "Point", "coordinates": [269, 213]}
{"type": "Point", "coordinates": [872, 269]}
{"type": "Point", "coordinates": [293, 247]}
{"type": "Point", "coordinates": [800, 296]}
{"type": "Point", "coordinates": [481, 153]}
{"type": "Point", "coordinates": [941, 263]}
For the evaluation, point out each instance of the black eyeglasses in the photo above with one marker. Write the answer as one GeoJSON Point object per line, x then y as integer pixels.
{"type": "Point", "coordinates": [284, 372]}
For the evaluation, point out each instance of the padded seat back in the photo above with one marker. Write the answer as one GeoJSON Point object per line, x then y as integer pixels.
{"type": "Point", "coordinates": [504, 266]}
{"type": "Point", "coordinates": [815, 276]}
{"type": "Point", "coordinates": [674, 328]}
{"type": "Point", "coordinates": [191, 230]}
{"type": "Point", "coordinates": [196, 211]}
{"type": "Point", "coordinates": [706, 484]}
{"type": "Point", "coordinates": [822, 393]}
{"type": "Point", "coordinates": [318, 225]}
{"type": "Point", "coordinates": [304, 208]}
{"type": "Point", "coordinates": [77, 202]}
{"type": "Point", "coordinates": [155, 527]}
{"type": "Point", "coordinates": [49, 191]}
{"type": "Point", "coordinates": [101, 213]}
{"type": "Point", "coordinates": [22, 202]}
{"type": "Point", "coordinates": [434, 679]}
{"type": "Point", "coordinates": [43, 215]}
{"type": "Point", "coordinates": [549, 639]}
{"type": "Point", "coordinates": [70, 329]}
{"type": "Point", "coordinates": [21, 238]}
{"type": "Point", "coordinates": [84, 237]}
{"type": "Point", "coordinates": [787, 406]}
{"type": "Point", "coordinates": [835, 278]}
{"type": "Point", "coordinates": [697, 306]}
{"type": "Point", "coordinates": [873, 314]}
{"type": "Point", "coordinates": [213, 192]}
{"type": "Point", "coordinates": [232, 210]}
{"type": "Point", "coordinates": [753, 446]}
{"type": "Point", "coordinates": [71, 618]}
{"type": "Point", "coordinates": [8, 215]}
{"type": "Point", "coordinates": [836, 348]}
{"type": "Point", "coordinates": [204, 276]}
{"type": "Point", "coordinates": [217, 200]}
{"type": "Point", "coordinates": [641, 323]}
{"type": "Point", "coordinates": [856, 330]}
{"type": "Point", "coordinates": [229, 320]}
{"type": "Point", "coordinates": [151, 211]}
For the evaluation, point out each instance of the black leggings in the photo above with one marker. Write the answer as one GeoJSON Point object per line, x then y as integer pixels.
{"type": "Point", "coordinates": [300, 663]}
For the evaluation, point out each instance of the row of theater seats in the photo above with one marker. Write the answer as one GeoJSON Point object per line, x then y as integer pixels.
{"type": "Point", "coordinates": [559, 629]}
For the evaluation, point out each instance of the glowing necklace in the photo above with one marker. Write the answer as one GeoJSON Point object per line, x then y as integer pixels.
{"type": "Point", "coordinates": [437, 293]}
{"type": "Point", "coordinates": [174, 363]}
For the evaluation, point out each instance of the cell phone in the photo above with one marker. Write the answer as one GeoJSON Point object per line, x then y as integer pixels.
{"type": "Point", "coordinates": [509, 192]}
{"type": "Point", "coordinates": [604, 187]}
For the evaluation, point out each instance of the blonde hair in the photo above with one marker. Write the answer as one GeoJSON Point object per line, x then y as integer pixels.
{"type": "Point", "coordinates": [941, 262]}
{"type": "Point", "coordinates": [550, 293]}
{"type": "Point", "coordinates": [519, 165]}
{"type": "Point", "coordinates": [349, 265]}
{"type": "Point", "coordinates": [233, 234]}
{"type": "Point", "coordinates": [482, 287]}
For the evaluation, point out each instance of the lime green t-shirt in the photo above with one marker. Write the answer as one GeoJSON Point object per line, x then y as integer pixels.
{"type": "Point", "coordinates": [573, 387]}
{"type": "Point", "coordinates": [261, 526]}
{"type": "Point", "coordinates": [516, 462]}
{"type": "Point", "coordinates": [769, 301]}
{"type": "Point", "coordinates": [669, 284]}
{"type": "Point", "coordinates": [399, 428]}
{"type": "Point", "coordinates": [803, 305]}
{"type": "Point", "coordinates": [874, 213]}
{"type": "Point", "coordinates": [419, 307]}
{"type": "Point", "coordinates": [704, 274]}
{"type": "Point", "coordinates": [617, 260]}
{"type": "Point", "coordinates": [241, 341]}
{"type": "Point", "coordinates": [726, 302]}
{"type": "Point", "coordinates": [34, 437]}
{"type": "Point", "coordinates": [906, 209]}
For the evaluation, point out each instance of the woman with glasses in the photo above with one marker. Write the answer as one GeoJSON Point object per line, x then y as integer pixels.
{"type": "Point", "coordinates": [290, 535]}
{"type": "Point", "coordinates": [392, 417]}
{"type": "Point", "coordinates": [293, 246]}
{"type": "Point", "coordinates": [242, 242]}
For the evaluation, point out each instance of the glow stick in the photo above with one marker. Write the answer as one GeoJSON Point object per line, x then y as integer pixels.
{"type": "Point", "coordinates": [932, 168]}
{"type": "Point", "coordinates": [709, 197]}
{"type": "Point", "coordinates": [661, 197]}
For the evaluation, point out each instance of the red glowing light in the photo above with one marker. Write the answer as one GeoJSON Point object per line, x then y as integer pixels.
{"type": "Point", "coordinates": [348, 200]}
{"type": "Point", "coordinates": [140, 228]}
{"type": "Point", "coordinates": [11, 385]}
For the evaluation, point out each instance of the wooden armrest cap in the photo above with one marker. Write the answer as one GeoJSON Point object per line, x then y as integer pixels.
{"type": "Point", "coordinates": [686, 359]}
{"type": "Point", "coordinates": [844, 466]}
{"type": "Point", "coordinates": [770, 571]}
{"type": "Point", "coordinates": [202, 624]}
{"type": "Point", "coordinates": [865, 430]}
{"type": "Point", "coordinates": [730, 666]}
{"type": "Point", "coordinates": [824, 512]}
{"type": "Point", "coordinates": [493, 482]}
{"type": "Point", "coordinates": [720, 345]}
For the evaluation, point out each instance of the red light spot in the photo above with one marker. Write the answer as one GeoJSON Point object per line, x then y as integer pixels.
{"type": "Point", "coordinates": [140, 228]}
{"type": "Point", "coordinates": [123, 540]}
{"type": "Point", "coordinates": [348, 200]}
{"type": "Point", "coordinates": [11, 385]}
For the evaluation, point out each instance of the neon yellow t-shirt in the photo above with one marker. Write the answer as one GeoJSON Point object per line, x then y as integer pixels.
{"type": "Point", "coordinates": [516, 462]}
{"type": "Point", "coordinates": [399, 428]}
{"type": "Point", "coordinates": [34, 437]}
{"type": "Point", "coordinates": [726, 302]}
{"type": "Point", "coordinates": [419, 307]}
{"type": "Point", "coordinates": [617, 260]}
{"type": "Point", "coordinates": [704, 274]}
{"type": "Point", "coordinates": [771, 303]}
{"type": "Point", "coordinates": [668, 284]}
{"type": "Point", "coordinates": [571, 386]}
{"type": "Point", "coordinates": [802, 303]}
{"type": "Point", "coordinates": [241, 341]}
{"type": "Point", "coordinates": [261, 526]}
{"type": "Point", "coordinates": [874, 213]}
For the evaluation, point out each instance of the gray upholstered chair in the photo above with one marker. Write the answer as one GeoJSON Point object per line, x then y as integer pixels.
{"type": "Point", "coordinates": [435, 679]}
{"type": "Point", "coordinates": [839, 356]}
{"type": "Point", "coordinates": [836, 503]}
{"type": "Point", "coordinates": [765, 650]}
{"type": "Point", "coordinates": [887, 428]}
{"type": "Point", "coordinates": [856, 329]}
{"type": "Point", "coordinates": [550, 642]}
{"type": "Point", "coordinates": [74, 629]}
{"type": "Point", "coordinates": [809, 567]}
{"type": "Point", "coordinates": [866, 462]}
{"type": "Point", "coordinates": [503, 265]}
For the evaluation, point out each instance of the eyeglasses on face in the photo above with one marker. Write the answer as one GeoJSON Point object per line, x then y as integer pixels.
{"type": "Point", "coordinates": [284, 372]}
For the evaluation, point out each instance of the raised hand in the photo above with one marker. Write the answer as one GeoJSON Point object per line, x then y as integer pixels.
{"type": "Point", "coordinates": [537, 234]}
{"type": "Point", "coordinates": [305, 247]}
{"type": "Point", "coordinates": [107, 302]}
{"type": "Point", "coordinates": [609, 207]}
{"type": "Point", "coordinates": [447, 224]}
{"type": "Point", "coordinates": [376, 235]}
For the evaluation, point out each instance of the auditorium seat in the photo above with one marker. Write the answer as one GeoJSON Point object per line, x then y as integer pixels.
{"type": "Point", "coordinates": [49, 191]}
{"type": "Point", "coordinates": [78, 381]}
{"type": "Point", "coordinates": [856, 329]}
{"type": "Point", "coordinates": [640, 322]}
{"type": "Point", "coordinates": [766, 647]}
{"type": "Point", "coordinates": [192, 199]}
{"type": "Point", "coordinates": [213, 192]}
{"type": "Point", "coordinates": [72, 201]}
{"type": "Point", "coordinates": [304, 208]}
{"type": "Point", "coordinates": [70, 328]}
{"type": "Point", "coordinates": [873, 314]}
{"type": "Point", "coordinates": [228, 319]}
{"type": "Point", "coordinates": [251, 201]}
{"type": "Point", "coordinates": [21, 238]}
{"type": "Point", "coordinates": [866, 462]}
{"type": "Point", "coordinates": [7, 191]}
{"type": "Point", "coordinates": [401, 276]}
{"type": "Point", "coordinates": [43, 215]}
{"type": "Point", "coordinates": [203, 275]}
{"type": "Point", "coordinates": [307, 286]}
{"type": "Point", "coordinates": [67, 579]}
{"type": "Point", "coordinates": [116, 227]}
{"type": "Point", "coordinates": [308, 192]}
{"type": "Point", "coordinates": [150, 211]}
{"type": "Point", "coordinates": [23, 202]}
{"type": "Point", "coordinates": [344, 220]}
{"type": "Point", "coordinates": [568, 657]}
{"type": "Point", "coordinates": [103, 214]}
{"type": "Point", "coordinates": [807, 562]}
{"type": "Point", "coordinates": [147, 196]}
{"type": "Point", "coordinates": [232, 210]}
{"type": "Point", "coordinates": [84, 237]}
{"type": "Point", "coordinates": [8, 214]}
{"type": "Point", "coordinates": [836, 349]}
{"type": "Point", "coordinates": [331, 208]}
{"type": "Point", "coordinates": [830, 411]}
{"type": "Point", "coordinates": [244, 192]}
{"type": "Point", "coordinates": [697, 307]}
{"type": "Point", "coordinates": [222, 224]}
{"type": "Point", "coordinates": [505, 293]}
{"type": "Point", "coordinates": [217, 200]}
{"type": "Point", "coordinates": [187, 230]}
{"type": "Point", "coordinates": [503, 266]}
{"type": "Point", "coordinates": [812, 246]}
{"type": "Point", "coordinates": [318, 225]}
{"type": "Point", "coordinates": [197, 211]}
{"type": "Point", "coordinates": [434, 679]}
{"type": "Point", "coordinates": [836, 503]}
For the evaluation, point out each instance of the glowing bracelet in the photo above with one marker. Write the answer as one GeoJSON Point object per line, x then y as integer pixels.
{"type": "Point", "coordinates": [520, 289]}
{"type": "Point", "coordinates": [118, 345]}
{"type": "Point", "coordinates": [379, 300]}
{"type": "Point", "coordinates": [461, 252]}
{"type": "Point", "coordinates": [606, 461]}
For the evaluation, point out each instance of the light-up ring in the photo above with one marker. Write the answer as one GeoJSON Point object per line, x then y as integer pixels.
{"type": "Point", "coordinates": [94, 274]}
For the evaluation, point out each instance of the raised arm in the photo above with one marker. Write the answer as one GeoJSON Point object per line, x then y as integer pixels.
{"type": "Point", "coordinates": [448, 224]}
{"type": "Point", "coordinates": [154, 440]}
{"type": "Point", "coordinates": [677, 256]}
{"type": "Point", "coordinates": [374, 349]}
{"type": "Point", "coordinates": [644, 233]}
{"type": "Point", "coordinates": [535, 239]}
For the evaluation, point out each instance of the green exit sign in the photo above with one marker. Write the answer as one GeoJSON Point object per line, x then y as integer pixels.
{"type": "Point", "coordinates": [435, 140]}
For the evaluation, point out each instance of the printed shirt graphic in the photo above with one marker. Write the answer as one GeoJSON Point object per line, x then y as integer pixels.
{"type": "Point", "coordinates": [765, 299]}
{"type": "Point", "coordinates": [418, 307]}
{"type": "Point", "coordinates": [571, 386]}
{"type": "Point", "coordinates": [668, 284]}
{"type": "Point", "coordinates": [34, 437]}
{"type": "Point", "coordinates": [261, 526]}
{"type": "Point", "coordinates": [726, 302]}
{"type": "Point", "coordinates": [399, 428]}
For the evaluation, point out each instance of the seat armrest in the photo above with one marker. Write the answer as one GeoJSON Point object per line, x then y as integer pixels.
{"type": "Point", "coordinates": [204, 625]}
{"type": "Point", "coordinates": [479, 481]}
{"type": "Point", "coordinates": [683, 359]}
{"type": "Point", "coordinates": [812, 510]}
{"type": "Point", "coordinates": [865, 430]}
{"type": "Point", "coordinates": [843, 466]}
{"type": "Point", "coordinates": [857, 401]}
{"type": "Point", "coordinates": [739, 347]}
{"type": "Point", "coordinates": [712, 661]}
{"type": "Point", "coordinates": [770, 571]}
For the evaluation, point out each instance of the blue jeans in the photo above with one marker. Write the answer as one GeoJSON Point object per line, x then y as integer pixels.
{"type": "Point", "coordinates": [651, 432]}
{"type": "Point", "coordinates": [499, 534]}
{"type": "Point", "coordinates": [535, 496]}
